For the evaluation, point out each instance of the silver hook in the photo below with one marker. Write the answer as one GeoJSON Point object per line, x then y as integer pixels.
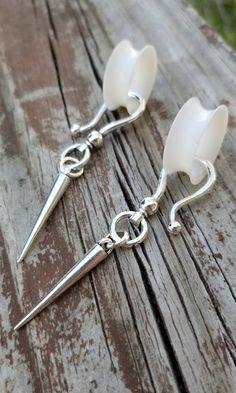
{"type": "Point", "coordinates": [76, 129]}
{"type": "Point", "coordinates": [174, 226]}
{"type": "Point", "coordinates": [149, 205]}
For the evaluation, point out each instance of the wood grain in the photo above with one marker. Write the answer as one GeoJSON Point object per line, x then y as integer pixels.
{"type": "Point", "coordinates": [157, 318]}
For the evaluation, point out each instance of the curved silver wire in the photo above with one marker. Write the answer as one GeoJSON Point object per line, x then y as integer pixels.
{"type": "Point", "coordinates": [149, 205]}
{"type": "Point", "coordinates": [77, 129]}
{"type": "Point", "coordinates": [127, 120]}
{"type": "Point", "coordinates": [161, 186]}
{"type": "Point", "coordinates": [174, 226]}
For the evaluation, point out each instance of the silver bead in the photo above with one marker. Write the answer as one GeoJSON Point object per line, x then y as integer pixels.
{"type": "Point", "coordinates": [75, 129]}
{"type": "Point", "coordinates": [174, 228]}
{"type": "Point", "coordinates": [149, 205]}
{"type": "Point", "coordinates": [95, 138]}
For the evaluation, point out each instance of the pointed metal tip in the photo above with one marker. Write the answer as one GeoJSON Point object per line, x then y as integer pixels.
{"type": "Point", "coordinates": [17, 327]}
{"type": "Point", "coordinates": [20, 324]}
{"type": "Point", "coordinates": [94, 256]}
{"type": "Point", "coordinates": [26, 319]}
{"type": "Point", "coordinates": [25, 250]}
{"type": "Point", "coordinates": [59, 187]}
{"type": "Point", "coordinates": [20, 259]}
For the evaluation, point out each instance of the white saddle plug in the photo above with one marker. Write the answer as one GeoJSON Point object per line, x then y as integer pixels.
{"type": "Point", "coordinates": [129, 70]}
{"type": "Point", "coordinates": [128, 81]}
{"type": "Point", "coordinates": [196, 135]}
{"type": "Point", "coordinates": [192, 145]}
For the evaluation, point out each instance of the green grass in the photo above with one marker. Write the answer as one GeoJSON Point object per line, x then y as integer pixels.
{"type": "Point", "coordinates": [221, 15]}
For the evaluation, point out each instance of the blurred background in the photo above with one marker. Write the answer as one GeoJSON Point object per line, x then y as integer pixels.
{"type": "Point", "coordinates": [221, 15]}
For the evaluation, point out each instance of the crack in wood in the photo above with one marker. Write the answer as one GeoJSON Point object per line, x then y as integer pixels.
{"type": "Point", "coordinates": [56, 66]}
{"type": "Point", "coordinates": [176, 368]}
{"type": "Point", "coordinates": [91, 61]}
{"type": "Point", "coordinates": [211, 295]}
{"type": "Point", "coordinates": [121, 275]}
{"type": "Point", "coordinates": [50, 19]}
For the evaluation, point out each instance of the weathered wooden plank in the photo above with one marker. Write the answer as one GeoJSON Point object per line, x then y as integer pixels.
{"type": "Point", "coordinates": [160, 317]}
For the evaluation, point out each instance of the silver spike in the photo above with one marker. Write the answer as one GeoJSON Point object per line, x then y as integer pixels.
{"type": "Point", "coordinates": [92, 258]}
{"type": "Point", "coordinates": [71, 167]}
{"type": "Point", "coordinates": [59, 187]}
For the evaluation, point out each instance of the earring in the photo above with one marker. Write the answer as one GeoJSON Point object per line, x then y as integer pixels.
{"type": "Point", "coordinates": [128, 80]}
{"type": "Point", "coordinates": [192, 145]}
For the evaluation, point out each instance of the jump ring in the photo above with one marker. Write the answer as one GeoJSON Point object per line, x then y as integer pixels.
{"type": "Point", "coordinates": [129, 243]}
{"type": "Point", "coordinates": [76, 169]}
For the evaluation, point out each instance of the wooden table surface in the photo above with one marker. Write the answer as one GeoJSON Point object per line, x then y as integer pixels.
{"type": "Point", "coordinates": [157, 318]}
